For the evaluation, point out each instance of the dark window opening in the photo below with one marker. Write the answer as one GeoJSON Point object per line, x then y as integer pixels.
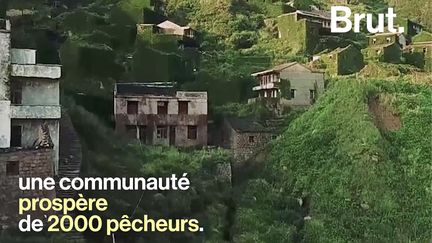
{"type": "Point", "coordinates": [12, 168]}
{"type": "Point", "coordinates": [183, 107]}
{"type": "Point", "coordinates": [161, 132]}
{"type": "Point", "coordinates": [424, 50]}
{"type": "Point", "coordinates": [16, 134]}
{"type": "Point", "coordinates": [132, 107]}
{"type": "Point", "coordinates": [293, 93]}
{"type": "Point", "coordinates": [16, 93]}
{"type": "Point", "coordinates": [374, 41]}
{"type": "Point", "coordinates": [162, 107]}
{"type": "Point", "coordinates": [192, 132]}
{"type": "Point", "coordinates": [251, 139]}
{"type": "Point", "coordinates": [312, 94]}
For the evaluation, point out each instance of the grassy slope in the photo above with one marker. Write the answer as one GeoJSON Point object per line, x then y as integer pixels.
{"type": "Point", "coordinates": [364, 184]}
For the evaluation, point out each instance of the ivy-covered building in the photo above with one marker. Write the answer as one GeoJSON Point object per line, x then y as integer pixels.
{"type": "Point", "coordinates": [419, 53]}
{"type": "Point", "coordinates": [303, 28]}
{"type": "Point", "coordinates": [411, 28]}
{"type": "Point", "coordinates": [291, 85]}
{"type": "Point", "coordinates": [386, 38]}
{"type": "Point", "coordinates": [390, 52]}
{"type": "Point", "coordinates": [341, 61]}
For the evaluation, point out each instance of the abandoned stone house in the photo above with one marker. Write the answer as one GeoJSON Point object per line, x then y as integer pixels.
{"type": "Point", "coordinates": [291, 85]}
{"type": "Point", "coordinates": [245, 136]}
{"type": "Point", "coordinates": [167, 28]}
{"type": "Point", "coordinates": [419, 52]}
{"type": "Point", "coordinates": [29, 123]}
{"type": "Point", "coordinates": [304, 28]}
{"type": "Point", "coordinates": [157, 113]}
{"type": "Point", "coordinates": [341, 61]}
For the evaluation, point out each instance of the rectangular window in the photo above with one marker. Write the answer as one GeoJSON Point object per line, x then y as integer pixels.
{"type": "Point", "coordinates": [162, 107]}
{"type": "Point", "coordinates": [16, 134]}
{"type": "Point", "coordinates": [312, 94]}
{"type": "Point", "coordinates": [12, 168]}
{"type": "Point", "coordinates": [161, 132]}
{"type": "Point", "coordinates": [192, 132]}
{"type": "Point", "coordinates": [183, 107]}
{"type": "Point", "coordinates": [292, 93]}
{"type": "Point", "coordinates": [16, 93]}
{"type": "Point", "coordinates": [251, 139]}
{"type": "Point", "coordinates": [131, 131]}
{"type": "Point", "coordinates": [132, 107]}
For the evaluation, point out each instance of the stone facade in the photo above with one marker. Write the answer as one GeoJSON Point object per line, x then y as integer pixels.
{"type": "Point", "coordinates": [29, 98]}
{"type": "Point", "coordinates": [245, 137]}
{"type": "Point", "coordinates": [21, 163]}
{"type": "Point", "coordinates": [158, 114]}
{"type": "Point", "coordinates": [341, 61]}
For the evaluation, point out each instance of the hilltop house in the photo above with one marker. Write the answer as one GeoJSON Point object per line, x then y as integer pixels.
{"type": "Point", "coordinates": [341, 61]}
{"type": "Point", "coordinates": [167, 28]}
{"type": "Point", "coordinates": [29, 124]}
{"type": "Point", "coordinates": [245, 136]}
{"type": "Point", "coordinates": [291, 84]}
{"type": "Point", "coordinates": [157, 113]}
{"type": "Point", "coordinates": [419, 53]}
{"type": "Point", "coordinates": [304, 28]}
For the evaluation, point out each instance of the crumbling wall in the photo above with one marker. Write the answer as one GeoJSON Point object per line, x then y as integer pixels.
{"type": "Point", "coordinates": [31, 131]}
{"type": "Point", "coordinates": [32, 163]}
{"type": "Point", "coordinates": [4, 64]}
{"type": "Point", "coordinates": [243, 147]}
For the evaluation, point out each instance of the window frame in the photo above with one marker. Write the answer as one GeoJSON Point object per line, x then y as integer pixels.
{"type": "Point", "coordinates": [162, 132]}
{"type": "Point", "coordinates": [16, 142]}
{"type": "Point", "coordinates": [192, 132]}
{"type": "Point", "coordinates": [129, 105]}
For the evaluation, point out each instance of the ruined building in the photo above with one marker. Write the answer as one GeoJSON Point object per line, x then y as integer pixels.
{"type": "Point", "coordinates": [303, 28]}
{"type": "Point", "coordinates": [29, 123]}
{"type": "Point", "coordinates": [340, 61]}
{"type": "Point", "coordinates": [289, 85]}
{"type": "Point", "coordinates": [157, 113]}
{"type": "Point", "coordinates": [246, 136]}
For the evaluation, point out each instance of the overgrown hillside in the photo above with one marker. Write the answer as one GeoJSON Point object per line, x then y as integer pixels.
{"type": "Point", "coordinates": [360, 164]}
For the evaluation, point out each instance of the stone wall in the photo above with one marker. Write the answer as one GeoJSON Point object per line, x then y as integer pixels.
{"type": "Point", "coordinates": [243, 147]}
{"type": "Point", "coordinates": [32, 163]}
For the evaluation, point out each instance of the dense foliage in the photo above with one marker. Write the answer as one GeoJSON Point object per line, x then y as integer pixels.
{"type": "Point", "coordinates": [358, 182]}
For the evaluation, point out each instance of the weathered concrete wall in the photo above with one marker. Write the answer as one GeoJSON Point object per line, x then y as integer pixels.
{"type": "Point", "coordinates": [36, 71]}
{"type": "Point", "coordinates": [180, 122]}
{"type": "Point", "coordinates": [147, 116]}
{"type": "Point", "coordinates": [23, 56]}
{"type": "Point", "coordinates": [5, 124]}
{"type": "Point", "coordinates": [31, 130]}
{"type": "Point", "coordinates": [148, 104]}
{"type": "Point", "coordinates": [35, 112]}
{"type": "Point", "coordinates": [303, 82]}
{"type": "Point", "coordinates": [4, 64]}
{"type": "Point", "coordinates": [40, 92]}
{"type": "Point", "coordinates": [32, 163]}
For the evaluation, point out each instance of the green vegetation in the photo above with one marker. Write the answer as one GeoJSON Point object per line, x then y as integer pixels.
{"type": "Point", "coordinates": [110, 156]}
{"type": "Point", "coordinates": [337, 174]}
{"type": "Point", "coordinates": [358, 182]}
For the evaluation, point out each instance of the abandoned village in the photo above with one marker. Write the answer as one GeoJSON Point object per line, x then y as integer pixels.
{"type": "Point", "coordinates": [37, 138]}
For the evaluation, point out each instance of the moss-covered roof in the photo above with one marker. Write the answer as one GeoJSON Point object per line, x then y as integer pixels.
{"type": "Point", "coordinates": [424, 36]}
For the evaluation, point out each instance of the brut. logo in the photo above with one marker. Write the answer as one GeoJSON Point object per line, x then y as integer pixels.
{"type": "Point", "coordinates": [342, 23]}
